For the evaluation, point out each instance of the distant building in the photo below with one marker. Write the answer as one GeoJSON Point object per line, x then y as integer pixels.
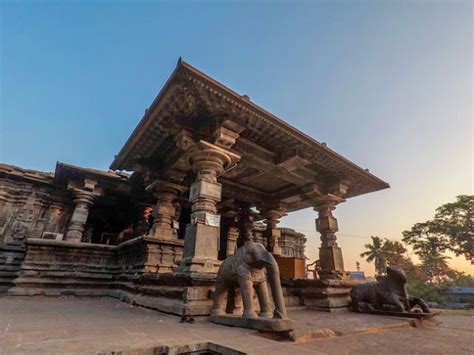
{"type": "Point", "coordinates": [459, 295]}
{"type": "Point", "coordinates": [358, 276]}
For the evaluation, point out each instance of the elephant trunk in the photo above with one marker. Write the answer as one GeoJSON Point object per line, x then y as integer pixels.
{"type": "Point", "coordinates": [273, 273]}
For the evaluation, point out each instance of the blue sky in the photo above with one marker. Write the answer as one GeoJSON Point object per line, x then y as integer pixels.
{"type": "Point", "coordinates": [388, 84]}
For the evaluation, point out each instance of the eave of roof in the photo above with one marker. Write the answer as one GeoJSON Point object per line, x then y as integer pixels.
{"type": "Point", "coordinates": [189, 69]}
{"type": "Point", "coordinates": [27, 174]}
{"type": "Point", "coordinates": [63, 170]}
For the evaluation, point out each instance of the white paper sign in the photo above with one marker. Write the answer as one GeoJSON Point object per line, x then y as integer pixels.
{"type": "Point", "coordinates": [213, 220]}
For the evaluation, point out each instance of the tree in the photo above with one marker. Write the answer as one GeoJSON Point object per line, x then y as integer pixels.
{"type": "Point", "coordinates": [429, 246]}
{"type": "Point", "coordinates": [394, 252]}
{"type": "Point", "coordinates": [429, 292]}
{"type": "Point", "coordinates": [451, 229]}
{"type": "Point", "coordinates": [376, 252]}
{"type": "Point", "coordinates": [460, 280]}
{"type": "Point", "coordinates": [455, 221]}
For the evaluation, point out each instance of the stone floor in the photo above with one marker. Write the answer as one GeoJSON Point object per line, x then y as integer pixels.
{"type": "Point", "coordinates": [92, 325]}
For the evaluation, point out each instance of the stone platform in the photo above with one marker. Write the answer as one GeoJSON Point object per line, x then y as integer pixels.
{"type": "Point", "coordinates": [262, 324]}
{"type": "Point", "coordinates": [104, 325]}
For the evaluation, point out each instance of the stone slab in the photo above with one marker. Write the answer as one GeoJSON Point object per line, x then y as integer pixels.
{"type": "Point", "coordinates": [45, 325]}
{"type": "Point", "coordinates": [262, 324]}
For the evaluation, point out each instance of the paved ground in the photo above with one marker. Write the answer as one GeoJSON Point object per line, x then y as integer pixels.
{"type": "Point", "coordinates": [87, 325]}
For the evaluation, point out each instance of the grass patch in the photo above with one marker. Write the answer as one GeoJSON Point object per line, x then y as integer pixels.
{"type": "Point", "coordinates": [457, 312]}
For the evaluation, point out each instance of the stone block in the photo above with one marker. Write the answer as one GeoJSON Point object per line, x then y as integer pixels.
{"type": "Point", "coordinates": [201, 241]}
{"type": "Point", "coordinates": [331, 259]}
{"type": "Point", "coordinates": [330, 302]}
{"type": "Point", "coordinates": [203, 188]}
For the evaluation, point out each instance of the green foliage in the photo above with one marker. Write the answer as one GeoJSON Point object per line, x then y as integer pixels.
{"type": "Point", "coordinates": [459, 280]}
{"type": "Point", "coordinates": [384, 252]}
{"type": "Point", "coordinates": [455, 221]}
{"type": "Point", "coordinates": [451, 229]}
{"type": "Point", "coordinates": [376, 253]}
{"type": "Point", "coordinates": [419, 288]}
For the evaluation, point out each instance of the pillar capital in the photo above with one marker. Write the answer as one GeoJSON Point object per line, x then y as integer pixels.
{"type": "Point", "coordinates": [326, 202]}
{"type": "Point", "coordinates": [83, 200]}
{"type": "Point", "coordinates": [209, 161]}
{"type": "Point", "coordinates": [272, 215]}
{"type": "Point", "coordinates": [166, 193]}
{"type": "Point", "coordinates": [159, 186]}
{"type": "Point", "coordinates": [272, 233]}
{"type": "Point", "coordinates": [83, 197]}
{"type": "Point", "coordinates": [144, 211]}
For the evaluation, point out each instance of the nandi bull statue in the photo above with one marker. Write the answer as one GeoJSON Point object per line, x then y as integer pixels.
{"type": "Point", "coordinates": [246, 270]}
{"type": "Point", "coordinates": [389, 293]}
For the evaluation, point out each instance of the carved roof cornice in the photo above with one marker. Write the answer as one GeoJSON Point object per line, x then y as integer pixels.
{"type": "Point", "coordinates": [20, 174]}
{"type": "Point", "coordinates": [110, 180]}
{"type": "Point", "coordinates": [190, 94]}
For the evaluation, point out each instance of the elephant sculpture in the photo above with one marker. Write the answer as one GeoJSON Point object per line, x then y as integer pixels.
{"type": "Point", "coordinates": [245, 270]}
{"type": "Point", "coordinates": [388, 293]}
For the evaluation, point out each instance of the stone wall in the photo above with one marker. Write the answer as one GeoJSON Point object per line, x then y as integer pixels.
{"type": "Point", "coordinates": [146, 254]}
{"type": "Point", "coordinates": [30, 205]}
{"type": "Point", "coordinates": [56, 268]}
{"type": "Point", "coordinates": [128, 272]}
{"type": "Point", "coordinates": [292, 243]}
{"type": "Point", "coordinates": [10, 263]}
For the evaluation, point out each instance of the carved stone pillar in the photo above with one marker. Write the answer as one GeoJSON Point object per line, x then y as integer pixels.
{"type": "Point", "coordinates": [144, 213]}
{"type": "Point", "coordinates": [165, 210]}
{"type": "Point", "coordinates": [272, 233]}
{"type": "Point", "coordinates": [83, 200]}
{"type": "Point", "coordinates": [330, 254]}
{"type": "Point", "coordinates": [232, 236]}
{"type": "Point", "coordinates": [202, 234]}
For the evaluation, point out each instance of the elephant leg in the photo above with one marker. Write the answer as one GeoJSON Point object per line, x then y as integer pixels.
{"type": "Point", "coordinates": [264, 300]}
{"type": "Point", "coordinates": [238, 302]}
{"type": "Point", "coordinates": [246, 288]}
{"type": "Point", "coordinates": [230, 301]}
{"type": "Point", "coordinates": [219, 299]}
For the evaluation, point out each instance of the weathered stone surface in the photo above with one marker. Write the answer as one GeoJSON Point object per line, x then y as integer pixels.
{"type": "Point", "coordinates": [262, 324]}
{"type": "Point", "coordinates": [388, 293]}
{"type": "Point", "coordinates": [128, 271]}
{"type": "Point", "coordinates": [10, 264]}
{"type": "Point", "coordinates": [29, 205]}
{"type": "Point", "coordinates": [324, 295]}
{"type": "Point", "coordinates": [292, 243]}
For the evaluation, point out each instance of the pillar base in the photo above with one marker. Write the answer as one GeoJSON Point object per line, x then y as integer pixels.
{"type": "Point", "coordinates": [331, 260]}
{"type": "Point", "coordinates": [323, 295]}
{"type": "Point", "coordinates": [200, 249]}
{"type": "Point", "coordinates": [74, 236]}
{"type": "Point", "coordinates": [164, 234]}
{"type": "Point", "coordinates": [199, 266]}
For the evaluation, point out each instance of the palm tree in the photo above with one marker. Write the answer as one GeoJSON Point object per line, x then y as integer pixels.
{"type": "Point", "coordinates": [376, 252]}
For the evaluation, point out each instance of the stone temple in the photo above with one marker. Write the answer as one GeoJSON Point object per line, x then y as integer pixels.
{"type": "Point", "coordinates": [154, 229]}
